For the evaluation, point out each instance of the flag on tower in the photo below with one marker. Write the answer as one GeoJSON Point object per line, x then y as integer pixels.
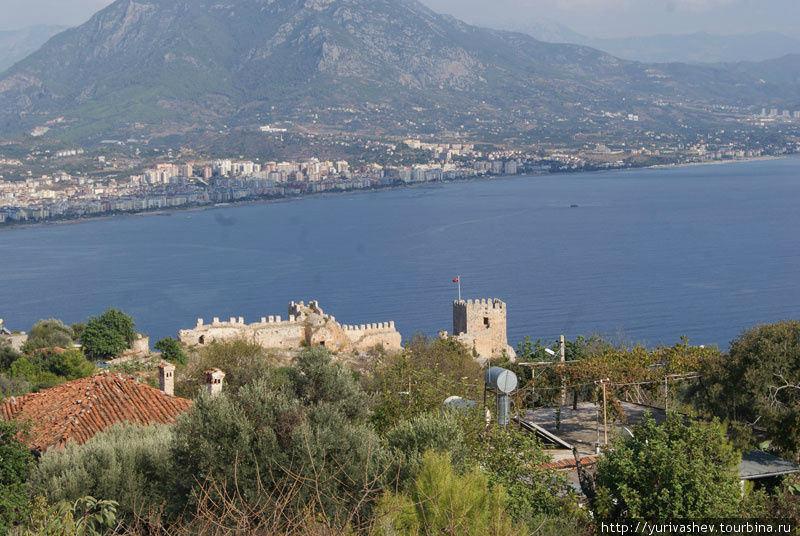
{"type": "Point", "coordinates": [457, 279]}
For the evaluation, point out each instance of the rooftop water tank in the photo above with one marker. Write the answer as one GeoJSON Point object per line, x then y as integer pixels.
{"type": "Point", "coordinates": [500, 379]}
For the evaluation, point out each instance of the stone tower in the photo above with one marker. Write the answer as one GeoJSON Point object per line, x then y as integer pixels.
{"type": "Point", "coordinates": [481, 325]}
{"type": "Point", "coordinates": [166, 378]}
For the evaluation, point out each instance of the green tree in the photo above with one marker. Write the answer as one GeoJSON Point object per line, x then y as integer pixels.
{"type": "Point", "coordinates": [515, 460]}
{"type": "Point", "coordinates": [71, 364]}
{"type": "Point", "coordinates": [77, 329]}
{"type": "Point", "coordinates": [669, 471]}
{"type": "Point", "coordinates": [48, 368]}
{"type": "Point", "coordinates": [172, 350]}
{"type": "Point", "coordinates": [15, 464]}
{"type": "Point", "coordinates": [441, 501]}
{"type": "Point", "coordinates": [48, 334]}
{"type": "Point", "coordinates": [242, 361]}
{"type": "Point", "coordinates": [24, 369]}
{"type": "Point", "coordinates": [758, 382]}
{"type": "Point", "coordinates": [418, 380]}
{"type": "Point", "coordinates": [108, 335]}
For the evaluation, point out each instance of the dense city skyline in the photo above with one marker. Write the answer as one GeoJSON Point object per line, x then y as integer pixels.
{"type": "Point", "coordinates": [596, 18]}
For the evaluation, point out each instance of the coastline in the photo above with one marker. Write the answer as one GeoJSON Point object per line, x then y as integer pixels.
{"type": "Point", "coordinates": [721, 162]}
{"type": "Point", "coordinates": [6, 227]}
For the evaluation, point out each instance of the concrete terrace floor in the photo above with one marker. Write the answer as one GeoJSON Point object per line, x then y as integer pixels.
{"type": "Point", "coordinates": [583, 427]}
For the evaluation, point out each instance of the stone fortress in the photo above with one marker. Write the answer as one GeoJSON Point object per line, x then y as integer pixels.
{"type": "Point", "coordinates": [307, 325]}
{"type": "Point", "coordinates": [479, 324]}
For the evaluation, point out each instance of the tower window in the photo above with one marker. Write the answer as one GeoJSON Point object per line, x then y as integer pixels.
{"type": "Point", "coordinates": [486, 321]}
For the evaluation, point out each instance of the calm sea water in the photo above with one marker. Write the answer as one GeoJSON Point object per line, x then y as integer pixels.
{"type": "Point", "coordinates": [648, 256]}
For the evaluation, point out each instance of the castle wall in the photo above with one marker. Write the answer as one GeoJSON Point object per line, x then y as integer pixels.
{"type": "Point", "coordinates": [307, 324]}
{"type": "Point", "coordinates": [270, 332]}
{"type": "Point", "coordinates": [16, 340]}
{"type": "Point", "coordinates": [367, 336]}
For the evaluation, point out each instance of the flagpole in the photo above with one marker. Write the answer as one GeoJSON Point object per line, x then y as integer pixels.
{"type": "Point", "coordinates": [459, 287]}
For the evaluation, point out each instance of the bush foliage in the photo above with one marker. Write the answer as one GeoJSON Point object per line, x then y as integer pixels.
{"type": "Point", "coordinates": [128, 464]}
{"type": "Point", "coordinates": [669, 471]}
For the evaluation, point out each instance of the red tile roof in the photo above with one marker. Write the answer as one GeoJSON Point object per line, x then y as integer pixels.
{"type": "Point", "coordinates": [569, 464]}
{"type": "Point", "coordinates": [79, 409]}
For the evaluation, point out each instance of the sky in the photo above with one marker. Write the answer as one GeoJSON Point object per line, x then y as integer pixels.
{"type": "Point", "coordinates": [594, 18]}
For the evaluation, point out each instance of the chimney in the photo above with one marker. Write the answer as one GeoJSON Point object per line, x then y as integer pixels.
{"type": "Point", "coordinates": [214, 379]}
{"type": "Point", "coordinates": [166, 378]}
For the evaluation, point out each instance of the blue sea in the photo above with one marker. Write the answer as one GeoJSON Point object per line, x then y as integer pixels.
{"type": "Point", "coordinates": [646, 256]}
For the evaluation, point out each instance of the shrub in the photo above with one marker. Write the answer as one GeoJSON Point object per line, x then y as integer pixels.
{"type": "Point", "coordinates": [410, 439]}
{"type": "Point", "coordinates": [515, 460]}
{"type": "Point", "coordinates": [171, 350]}
{"type": "Point", "coordinates": [13, 386]}
{"type": "Point", "coordinates": [15, 464]}
{"type": "Point", "coordinates": [441, 501]}
{"type": "Point", "coordinates": [241, 360]}
{"type": "Point", "coordinates": [48, 334]}
{"type": "Point", "coordinates": [7, 354]}
{"type": "Point", "coordinates": [300, 427]}
{"type": "Point", "coordinates": [85, 517]}
{"type": "Point", "coordinates": [418, 380]}
{"type": "Point", "coordinates": [125, 463]}
{"type": "Point", "coordinates": [669, 471]}
{"type": "Point", "coordinates": [71, 364]}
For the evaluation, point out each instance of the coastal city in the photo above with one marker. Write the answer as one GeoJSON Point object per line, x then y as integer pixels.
{"type": "Point", "coordinates": [97, 185]}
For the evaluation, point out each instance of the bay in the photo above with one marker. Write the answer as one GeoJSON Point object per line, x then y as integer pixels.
{"type": "Point", "coordinates": [646, 256]}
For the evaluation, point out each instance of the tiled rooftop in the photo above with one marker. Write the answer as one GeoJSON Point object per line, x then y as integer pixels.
{"type": "Point", "coordinates": [79, 409]}
{"type": "Point", "coordinates": [570, 465]}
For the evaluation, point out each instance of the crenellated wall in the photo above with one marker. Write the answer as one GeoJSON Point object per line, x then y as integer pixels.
{"type": "Point", "coordinates": [371, 335]}
{"type": "Point", "coordinates": [306, 325]}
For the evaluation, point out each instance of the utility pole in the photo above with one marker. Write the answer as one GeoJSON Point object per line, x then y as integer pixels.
{"type": "Point", "coordinates": [563, 356]}
{"type": "Point", "coordinates": [605, 413]}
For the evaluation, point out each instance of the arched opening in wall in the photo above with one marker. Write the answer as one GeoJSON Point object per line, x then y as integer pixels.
{"type": "Point", "coordinates": [322, 343]}
{"type": "Point", "coordinates": [486, 321]}
{"type": "Point", "coordinates": [201, 340]}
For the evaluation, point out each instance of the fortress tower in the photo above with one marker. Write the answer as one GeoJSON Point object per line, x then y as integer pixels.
{"type": "Point", "coordinates": [481, 325]}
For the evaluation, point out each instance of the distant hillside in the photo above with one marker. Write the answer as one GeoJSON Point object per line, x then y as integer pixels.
{"type": "Point", "coordinates": [698, 47]}
{"type": "Point", "coordinates": [170, 67]}
{"type": "Point", "coordinates": [17, 44]}
{"type": "Point", "coordinates": [784, 70]}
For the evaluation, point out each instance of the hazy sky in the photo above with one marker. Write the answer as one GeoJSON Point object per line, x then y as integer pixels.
{"type": "Point", "coordinates": [597, 18]}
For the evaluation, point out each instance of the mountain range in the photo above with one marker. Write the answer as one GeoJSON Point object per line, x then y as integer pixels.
{"type": "Point", "coordinates": [699, 47]}
{"type": "Point", "coordinates": [17, 44]}
{"type": "Point", "coordinates": [154, 68]}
